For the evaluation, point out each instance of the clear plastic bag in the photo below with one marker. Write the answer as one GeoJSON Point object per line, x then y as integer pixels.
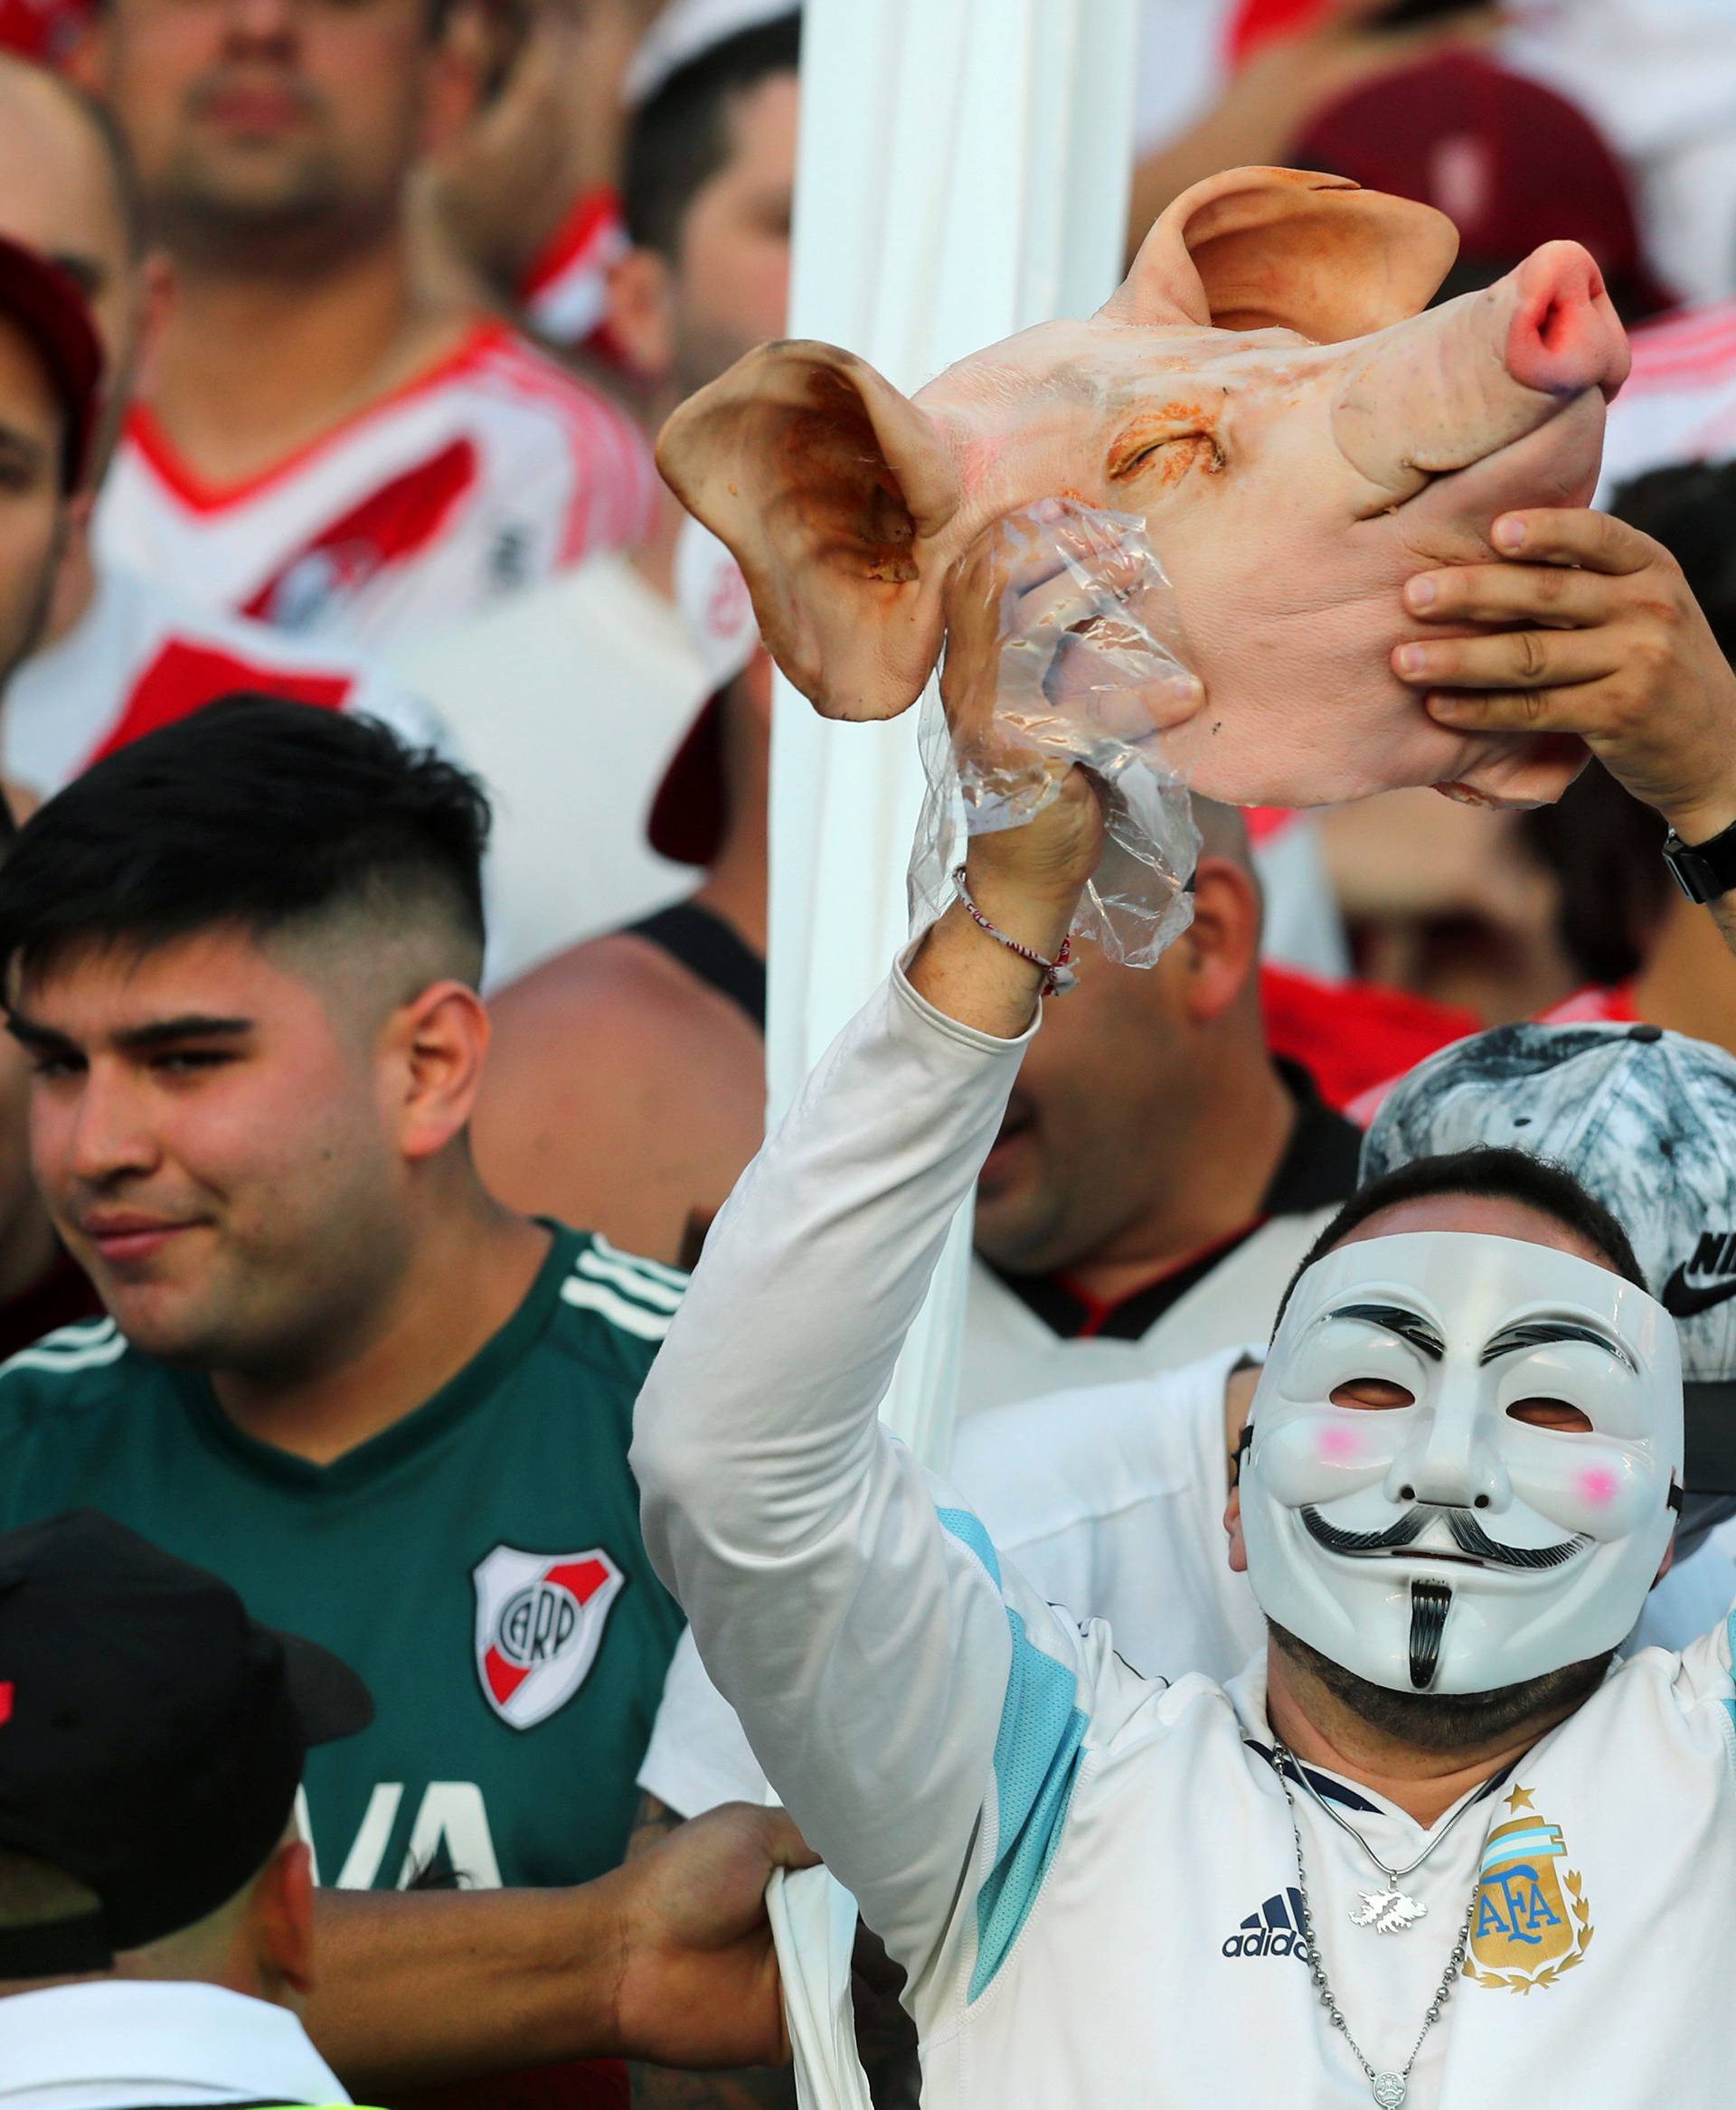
{"type": "Point", "coordinates": [1064, 646]}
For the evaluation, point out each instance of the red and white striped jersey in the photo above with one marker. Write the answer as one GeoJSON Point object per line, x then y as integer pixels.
{"type": "Point", "coordinates": [144, 656]}
{"type": "Point", "coordinates": [1679, 403]}
{"type": "Point", "coordinates": [565, 293]}
{"type": "Point", "coordinates": [491, 470]}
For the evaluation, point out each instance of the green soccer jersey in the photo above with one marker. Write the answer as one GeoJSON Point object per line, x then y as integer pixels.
{"type": "Point", "coordinates": [478, 1563]}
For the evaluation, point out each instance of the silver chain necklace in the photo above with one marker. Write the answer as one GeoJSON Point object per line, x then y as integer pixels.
{"type": "Point", "coordinates": [1391, 1911]}
{"type": "Point", "coordinates": [1389, 2089]}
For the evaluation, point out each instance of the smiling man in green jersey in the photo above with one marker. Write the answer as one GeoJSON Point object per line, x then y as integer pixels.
{"type": "Point", "coordinates": [243, 954]}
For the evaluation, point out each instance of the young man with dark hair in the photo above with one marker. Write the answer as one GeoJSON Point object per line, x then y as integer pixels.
{"type": "Point", "coordinates": [242, 955]}
{"type": "Point", "coordinates": [1466, 1459]}
{"type": "Point", "coordinates": [325, 443]}
{"type": "Point", "coordinates": [684, 133]}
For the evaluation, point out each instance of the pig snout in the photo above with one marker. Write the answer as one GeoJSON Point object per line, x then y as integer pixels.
{"type": "Point", "coordinates": [1564, 337]}
{"type": "Point", "coordinates": [1464, 381]}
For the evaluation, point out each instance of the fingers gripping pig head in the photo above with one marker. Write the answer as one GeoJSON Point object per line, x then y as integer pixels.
{"type": "Point", "coordinates": [1265, 392]}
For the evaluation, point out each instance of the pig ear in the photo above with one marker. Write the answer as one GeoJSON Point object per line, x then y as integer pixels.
{"type": "Point", "coordinates": [1263, 249]}
{"type": "Point", "coordinates": [828, 486]}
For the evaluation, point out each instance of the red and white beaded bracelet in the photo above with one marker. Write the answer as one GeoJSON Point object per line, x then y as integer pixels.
{"type": "Point", "coordinates": [1058, 976]}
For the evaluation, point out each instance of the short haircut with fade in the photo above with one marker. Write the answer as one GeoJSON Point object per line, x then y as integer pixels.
{"type": "Point", "coordinates": [1488, 1173]}
{"type": "Point", "coordinates": [682, 138]}
{"type": "Point", "coordinates": [254, 814]}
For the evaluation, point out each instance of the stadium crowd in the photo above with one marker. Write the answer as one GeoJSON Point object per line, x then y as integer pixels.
{"type": "Point", "coordinates": [411, 1587]}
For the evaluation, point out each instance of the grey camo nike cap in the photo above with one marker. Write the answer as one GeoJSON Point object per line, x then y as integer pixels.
{"type": "Point", "coordinates": [1646, 1120]}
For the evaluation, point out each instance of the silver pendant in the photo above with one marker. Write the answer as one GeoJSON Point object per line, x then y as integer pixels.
{"type": "Point", "coordinates": [1389, 1912]}
{"type": "Point", "coordinates": [1389, 2090]}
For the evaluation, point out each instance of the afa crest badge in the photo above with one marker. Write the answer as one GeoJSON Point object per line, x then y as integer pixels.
{"type": "Point", "coordinates": [540, 1620]}
{"type": "Point", "coordinates": [1531, 1920]}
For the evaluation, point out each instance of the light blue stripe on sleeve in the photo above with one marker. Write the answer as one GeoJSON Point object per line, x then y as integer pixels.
{"type": "Point", "coordinates": [970, 1531]}
{"type": "Point", "coordinates": [1730, 1638]}
{"type": "Point", "coordinates": [1036, 1759]}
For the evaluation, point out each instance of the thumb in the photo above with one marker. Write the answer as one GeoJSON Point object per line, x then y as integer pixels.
{"type": "Point", "coordinates": [785, 1846]}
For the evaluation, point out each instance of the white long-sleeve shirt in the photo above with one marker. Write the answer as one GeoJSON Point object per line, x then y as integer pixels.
{"type": "Point", "coordinates": [1090, 1875]}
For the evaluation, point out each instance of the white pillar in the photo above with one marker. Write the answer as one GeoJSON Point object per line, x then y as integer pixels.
{"type": "Point", "coordinates": [964, 173]}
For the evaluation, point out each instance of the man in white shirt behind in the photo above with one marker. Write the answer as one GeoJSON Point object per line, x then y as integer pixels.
{"type": "Point", "coordinates": [1466, 1459]}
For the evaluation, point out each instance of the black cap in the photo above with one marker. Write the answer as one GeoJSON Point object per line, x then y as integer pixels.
{"type": "Point", "coordinates": [151, 1735]}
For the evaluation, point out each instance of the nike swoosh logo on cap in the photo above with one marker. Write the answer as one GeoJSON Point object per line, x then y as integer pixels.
{"type": "Point", "coordinates": [1682, 1299]}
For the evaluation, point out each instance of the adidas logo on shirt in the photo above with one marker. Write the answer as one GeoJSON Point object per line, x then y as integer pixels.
{"type": "Point", "coordinates": [1275, 1930]}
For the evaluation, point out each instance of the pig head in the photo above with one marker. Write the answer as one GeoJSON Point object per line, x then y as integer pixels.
{"type": "Point", "coordinates": [1267, 392]}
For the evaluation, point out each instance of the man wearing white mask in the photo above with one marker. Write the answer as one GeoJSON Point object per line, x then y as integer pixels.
{"type": "Point", "coordinates": [1462, 1478]}
{"type": "Point", "coordinates": [1110, 1498]}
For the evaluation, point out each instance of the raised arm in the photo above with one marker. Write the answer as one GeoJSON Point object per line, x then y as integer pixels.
{"type": "Point", "coordinates": [857, 1619]}
{"type": "Point", "coordinates": [865, 1646]}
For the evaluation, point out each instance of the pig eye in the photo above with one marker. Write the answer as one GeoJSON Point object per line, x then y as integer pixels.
{"type": "Point", "coordinates": [1171, 457]}
{"type": "Point", "coordinates": [1372, 1395]}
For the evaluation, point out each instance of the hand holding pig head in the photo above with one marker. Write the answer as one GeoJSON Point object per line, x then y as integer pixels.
{"type": "Point", "coordinates": [1062, 657]}
{"type": "Point", "coordinates": [1055, 622]}
{"type": "Point", "coordinates": [1265, 398]}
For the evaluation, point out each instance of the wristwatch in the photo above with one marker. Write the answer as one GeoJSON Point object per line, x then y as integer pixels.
{"type": "Point", "coordinates": [1703, 870]}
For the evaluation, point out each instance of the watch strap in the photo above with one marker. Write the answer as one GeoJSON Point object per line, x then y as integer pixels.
{"type": "Point", "coordinates": [1703, 870]}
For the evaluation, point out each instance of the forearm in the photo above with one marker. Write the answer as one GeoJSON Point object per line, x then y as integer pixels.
{"type": "Point", "coordinates": [858, 1633]}
{"type": "Point", "coordinates": [420, 1987]}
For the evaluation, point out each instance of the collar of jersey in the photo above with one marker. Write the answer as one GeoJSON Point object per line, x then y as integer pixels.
{"type": "Point", "coordinates": [425, 1425]}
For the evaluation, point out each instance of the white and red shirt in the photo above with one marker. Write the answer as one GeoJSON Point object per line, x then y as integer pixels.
{"type": "Point", "coordinates": [144, 656]}
{"type": "Point", "coordinates": [565, 293]}
{"type": "Point", "coordinates": [491, 470]}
